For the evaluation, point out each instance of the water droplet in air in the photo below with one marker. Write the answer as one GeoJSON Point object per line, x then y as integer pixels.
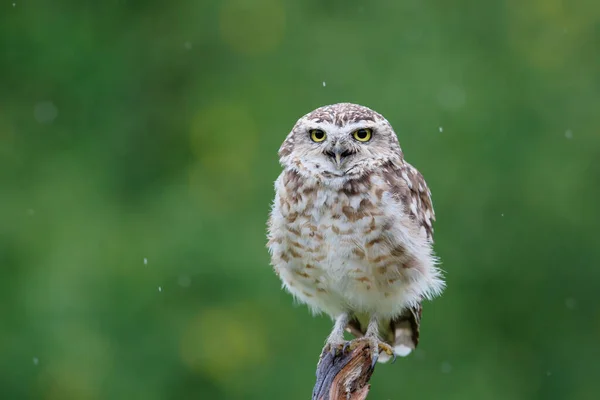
{"type": "Point", "coordinates": [441, 129]}
{"type": "Point", "coordinates": [571, 303]}
{"type": "Point", "coordinates": [446, 367]}
{"type": "Point", "coordinates": [324, 84]}
{"type": "Point", "coordinates": [145, 261]}
{"type": "Point", "coordinates": [502, 215]}
{"type": "Point", "coordinates": [420, 354]}
{"type": "Point", "coordinates": [184, 281]}
{"type": "Point", "coordinates": [569, 134]}
{"type": "Point", "coordinates": [45, 112]}
{"type": "Point", "coordinates": [160, 288]}
{"type": "Point", "coordinates": [451, 97]}
{"type": "Point", "coordinates": [35, 361]}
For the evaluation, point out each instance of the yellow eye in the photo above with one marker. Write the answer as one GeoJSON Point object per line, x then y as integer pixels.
{"type": "Point", "coordinates": [317, 135]}
{"type": "Point", "coordinates": [363, 135]}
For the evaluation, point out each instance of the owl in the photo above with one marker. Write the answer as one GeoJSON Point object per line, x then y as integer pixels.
{"type": "Point", "coordinates": [350, 231]}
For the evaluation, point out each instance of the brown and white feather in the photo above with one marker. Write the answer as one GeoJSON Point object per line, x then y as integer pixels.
{"type": "Point", "coordinates": [357, 239]}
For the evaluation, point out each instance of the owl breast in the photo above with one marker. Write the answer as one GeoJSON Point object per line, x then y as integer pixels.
{"type": "Point", "coordinates": [348, 248]}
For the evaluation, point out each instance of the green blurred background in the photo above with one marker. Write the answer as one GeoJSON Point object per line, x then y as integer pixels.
{"type": "Point", "coordinates": [138, 149]}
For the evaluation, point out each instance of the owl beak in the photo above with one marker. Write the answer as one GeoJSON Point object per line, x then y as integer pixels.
{"type": "Point", "coordinates": [338, 156]}
{"type": "Point", "coordinates": [339, 153]}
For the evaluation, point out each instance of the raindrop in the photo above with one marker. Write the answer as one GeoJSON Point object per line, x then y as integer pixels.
{"type": "Point", "coordinates": [420, 354]}
{"type": "Point", "coordinates": [160, 288]}
{"type": "Point", "coordinates": [570, 303]}
{"type": "Point", "coordinates": [145, 261]}
{"type": "Point", "coordinates": [569, 134]}
{"type": "Point", "coordinates": [451, 97]}
{"type": "Point", "coordinates": [502, 215]}
{"type": "Point", "coordinates": [441, 129]}
{"type": "Point", "coordinates": [35, 361]}
{"type": "Point", "coordinates": [446, 367]}
{"type": "Point", "coordinates": [324, 84]}
{"type": "Point", "coordinates": [184, 281]}
{"type": "Point", "coordinates": [45, 112]}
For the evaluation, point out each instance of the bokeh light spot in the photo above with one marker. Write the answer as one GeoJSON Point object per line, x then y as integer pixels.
{"type": "Point", "coordinates": [224, 341]}
{"type": "Point", "coordinates": [252, 27]}
{"type": "Point", "coordinates": [224, 141]}
{"type": "Point", "coordinates": [451, 97]}
{"type": "Point", "coordinates": [45, 112]}
{"type": "Point", "coordinates": [223, 137]}
{"type": "Point", "coordinates": [79, 370]}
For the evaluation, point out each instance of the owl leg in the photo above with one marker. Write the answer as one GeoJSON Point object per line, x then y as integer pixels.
{"type": "Point", "coordinates": [375, 343]}
{"type": "Point", "coordinates": [335, 340]}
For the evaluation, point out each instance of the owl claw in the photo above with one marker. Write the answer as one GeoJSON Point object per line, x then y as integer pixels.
{"type": "Point", "coordinates": [346, 346]}
{"type": "Point", "coordinates": [334, 347]}
{"type": "Point", "coordinates": [374, 359]}
{"type": "Point", "coordinates": [376, 346]}
{"type": "Point", "coordinates": [382, 346]}
{"type": "Point", "coordinates": [333, 350]}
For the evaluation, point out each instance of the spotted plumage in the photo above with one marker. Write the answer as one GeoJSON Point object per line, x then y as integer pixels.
{"type": "Point", "coordinates": [351, 228]}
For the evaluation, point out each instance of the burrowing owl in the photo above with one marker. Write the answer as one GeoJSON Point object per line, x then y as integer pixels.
{"type": "Point", "coordinates": [350, 231]}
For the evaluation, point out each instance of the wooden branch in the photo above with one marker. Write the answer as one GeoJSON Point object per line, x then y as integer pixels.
{"type": "Point", "coordinates": [344, 376]}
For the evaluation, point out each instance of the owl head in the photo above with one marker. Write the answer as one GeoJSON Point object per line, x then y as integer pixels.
{"type": "Point", "coordinates": [340, 142]}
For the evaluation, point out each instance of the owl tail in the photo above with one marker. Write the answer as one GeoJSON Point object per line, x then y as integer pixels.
{"type": "Point", "coordinates": [405, 330]}
{"type": "Point", "coordinates": [403, 342]}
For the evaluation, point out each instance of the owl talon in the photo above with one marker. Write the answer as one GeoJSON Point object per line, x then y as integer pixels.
{"type": "Point", "coordinates": [346, 346]}
{"type": "Point", "coordinates": [374, 359]}
{"type": "Point", "coordinates": [335, 348]}
{"type": "Point", "coordinates": [376, 346]}
{"type": "Point", "coordinates": [386, 348]}
{"type": "Point", "coordinates": [332, 350]}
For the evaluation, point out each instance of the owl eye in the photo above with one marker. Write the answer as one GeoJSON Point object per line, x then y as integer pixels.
{"type": "Point", "coordinates": [317, 135]}
{"type": "Point", "coordinates": [363, 135]}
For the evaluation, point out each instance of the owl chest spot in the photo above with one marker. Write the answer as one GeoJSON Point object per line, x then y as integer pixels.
{"type": "Point", "coordinates": [341, 246]}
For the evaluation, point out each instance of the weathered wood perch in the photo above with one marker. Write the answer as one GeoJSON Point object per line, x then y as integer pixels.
{"type": "Point", "coordinates": [344, 376]}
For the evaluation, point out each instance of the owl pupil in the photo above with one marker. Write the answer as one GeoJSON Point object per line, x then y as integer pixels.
{"type": "Point", "coordinates": [362, 134]}
{"type": "Point", "coordinates": [319, 134]}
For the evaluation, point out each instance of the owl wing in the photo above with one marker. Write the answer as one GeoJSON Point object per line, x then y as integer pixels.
{"type": "Point", "coordinates": [408, 186]}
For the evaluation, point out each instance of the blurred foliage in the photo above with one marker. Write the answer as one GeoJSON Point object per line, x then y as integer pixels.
{"type": "Point", "coordinates": [148, 130]}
